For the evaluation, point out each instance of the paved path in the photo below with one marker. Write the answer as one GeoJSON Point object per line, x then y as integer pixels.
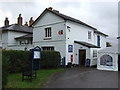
{"type": "Point", "coordinates": [83, 77]}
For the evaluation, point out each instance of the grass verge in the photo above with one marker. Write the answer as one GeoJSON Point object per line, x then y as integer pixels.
{"type": "Point", "coordinates": [15, 80]}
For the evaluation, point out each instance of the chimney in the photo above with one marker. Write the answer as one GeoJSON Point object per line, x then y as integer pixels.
{"type": "Point", "coordinates": [50, 8]}
{"type": "Point", "coordinates": [6, 22]}
{"type": "Point", "coordinates": [31, 21]}
{"type": "Point", "coordinates": [56, 11]}
{"type": "Point", "coordinates": [26, 24]}
{"type": "Point", "coordinates": [20, 20]}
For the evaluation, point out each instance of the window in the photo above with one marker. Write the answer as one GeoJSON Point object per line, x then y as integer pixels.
{"type": "Point", "coordinates": [106, 60]}
{"type": "Point", "coordinates": [89, 34]}
{"type": "Point", "coordinates": [48, 32]}
{"type": "Point", "coordinates": [94, 53]}
{"type": "Point", "coordinates": [48, 48]}
{"type": "Point", "coordinates": [21, 42]}
{"type": "Point", "coordinates": [98, 40]}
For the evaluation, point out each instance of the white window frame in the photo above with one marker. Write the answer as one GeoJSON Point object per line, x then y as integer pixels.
{"type": "Point", "coordinates": [48, 32]}
{"type": "Point", "coordinates": [89, 35]}
{"type": "Point", "coordinates": [51, 48]}
{"type": "Point", "coordinates": [94, 53]}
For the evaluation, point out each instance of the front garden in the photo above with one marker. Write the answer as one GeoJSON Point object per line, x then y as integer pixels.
{"type": "Point", "coordinates": [14, 80]}
{"type": "Point", "coordinates": [14, 60]}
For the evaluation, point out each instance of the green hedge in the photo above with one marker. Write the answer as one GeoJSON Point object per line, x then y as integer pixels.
{"type": "Point", "coordinates": [18, 59]}
{"type": "Point", "coordinates": [13, 60]}
{"type": "Point", "coordinates": [50, 59]}
{"type": "Point", "coordinates": [5, 71]}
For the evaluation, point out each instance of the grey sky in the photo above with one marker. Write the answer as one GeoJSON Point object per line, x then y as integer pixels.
{"type": "Point", "coordinates": [102, 15]}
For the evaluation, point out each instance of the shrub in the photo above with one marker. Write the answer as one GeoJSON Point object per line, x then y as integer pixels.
{"type": "Point", "coordinates": [5, 71]}
{"type": "Point", "coordinates": [18, 59]}
{"type": "Point", "coordinates": [50, 59]}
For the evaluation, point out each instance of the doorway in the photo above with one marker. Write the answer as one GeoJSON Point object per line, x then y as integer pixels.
{"type": "Point", "coordinates": [82, 57]}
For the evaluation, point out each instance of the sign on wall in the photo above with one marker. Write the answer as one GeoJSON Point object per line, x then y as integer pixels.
{"type": "Point", "coordinates": [70, 48]}
{"type": "Point", "coordinates": [60, 32]}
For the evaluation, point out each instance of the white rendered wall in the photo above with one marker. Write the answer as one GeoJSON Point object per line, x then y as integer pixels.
{"type": "Point", "coordinates": [4, 39]}
{"type": "Point", "coordinates": [9, 42]}
{"type": "Point", "coordinates": [58, 41]}
{"type": "Point", "coordinates": [79, 33]}
{"type": "Point", "coordinates": [12, 35]}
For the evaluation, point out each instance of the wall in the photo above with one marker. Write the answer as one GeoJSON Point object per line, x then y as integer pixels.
{"type": "Point", "coordinates": [9, 42]}
{"type": "Point", "coordinates": [102, 40]}
{"type": "Point", "coordinates": [56, 23]}
{"type": "Point", "coordinates": [49, 20]}
{"type": "Point", "coordinates": [119, 41]}
{"type": "Point", "coordinates": [58, 46]}
{"type": "Point", "coordinates": [12, 35]}
{"type": "Point", "coordinates": [4, 39]}
{"type": "Point", "coordinates": [119, 45]}
{"type": "Point", "coordinates": [0, 37]}
{"type": "Point", "coordinates": [20, 47]}
{"type": "Point", "coordinates": [78, 32]}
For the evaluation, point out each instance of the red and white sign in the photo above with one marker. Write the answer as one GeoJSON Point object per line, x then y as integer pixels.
{"type": "Point", "coordinates": [60, 32]}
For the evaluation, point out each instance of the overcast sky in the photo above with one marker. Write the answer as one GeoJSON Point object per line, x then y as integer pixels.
{"type": "Point", "coordinates": [101, 14]}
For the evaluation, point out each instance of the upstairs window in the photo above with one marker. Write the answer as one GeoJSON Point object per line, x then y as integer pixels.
{"type": "Point", "coordinates": [98, 40]}
{"type": "Point", "coordinates": [89, 34]}
{"type": "Point", "coordinates": [48, 32]}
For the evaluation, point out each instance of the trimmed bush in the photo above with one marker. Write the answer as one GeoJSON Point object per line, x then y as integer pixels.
{"type": "Point", "coordinates": [18, 59]}
{"type": "Point", "coordinates": [5, 71]}
{"type": "Point", "coordinates": [50, 59]}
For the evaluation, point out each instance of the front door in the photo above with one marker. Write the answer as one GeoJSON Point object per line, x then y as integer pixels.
{"type": "Point", "coordinates": [82, 57]}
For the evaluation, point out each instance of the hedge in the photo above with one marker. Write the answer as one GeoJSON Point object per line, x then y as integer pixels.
{"type": "Point", "coordinates": [18, 59]}
{"type": "Point", "coordinates": [50, 59]}
{"type": "Point", "coordinates": [14, 60]}
{"type": "Point", "coordinates": [5, 71]}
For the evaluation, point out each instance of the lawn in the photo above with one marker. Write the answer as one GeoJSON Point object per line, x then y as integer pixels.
{"type": "Point", "coordinates": [15, 80]}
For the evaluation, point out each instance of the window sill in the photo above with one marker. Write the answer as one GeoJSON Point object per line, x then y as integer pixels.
{"type": "Point", "coordinates": [47, 38]}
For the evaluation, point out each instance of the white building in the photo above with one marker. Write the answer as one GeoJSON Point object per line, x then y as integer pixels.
{"type": "Point", "coordinates": [16, 36]}
{"type": "Point", "coordinates": [74, 39]}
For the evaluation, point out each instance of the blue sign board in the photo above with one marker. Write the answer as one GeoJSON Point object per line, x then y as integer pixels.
{"type": "Point", "coordinates": [36, 57]}
{"type": "Point", "coordinates": [70, 48]}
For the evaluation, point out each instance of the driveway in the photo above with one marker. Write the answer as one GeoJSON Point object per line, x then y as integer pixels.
{"type": "Point", "coordinates": [83, 77]}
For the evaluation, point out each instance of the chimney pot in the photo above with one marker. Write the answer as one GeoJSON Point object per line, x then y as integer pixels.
{"type": "Point", "coordinates": [26, 24]}
{"type": "Point", "coordinates": [31, 21]}
{"type": "Point", "coordinates": [20, 19]}
{"type": "Point", "coordinates": [6, 22]}
{"type": "Point", "coordinates": [50, 8]}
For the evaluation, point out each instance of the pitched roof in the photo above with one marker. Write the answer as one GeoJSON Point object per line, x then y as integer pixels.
{"type": "Point", "coordinates": [65, 17]}
{"type": "Point", "coordinates": [25, 36]}
{"type": "Point", "coordinates": [86, 44]}
{"type": "Point", "coordinates": [17, 28]}
{"type": "Point", "coordinates": [96, 31]}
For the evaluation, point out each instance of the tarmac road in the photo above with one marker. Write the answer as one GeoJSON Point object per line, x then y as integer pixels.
{"type": "Point", "coordinates": [83, 77]}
